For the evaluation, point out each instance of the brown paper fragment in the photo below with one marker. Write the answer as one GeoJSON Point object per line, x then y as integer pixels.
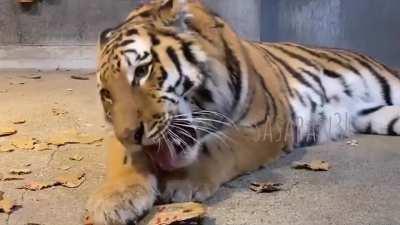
{"type": "Point", "coordinates": [7, 148]}
{"type": "Point", "coordinates": [20, 121]}
{"type": "Point", "coordinates": [6, 205]}
{"type": "Point", "coordinates": [87, 220]}
{"type": "Point", "coordinates": [7, 131]}
{"type": "Point", "coordinates": [34, 77]}
{"type": "Point", "coordinates": [73, 137]}
{"type": "Point", "coordinates": [79, 77]}
{"type": "Point", "coordinates": [88, 139]}
{"type": "Point", "coordinates": [58, 112]}
{"type": "Point", "coordinates": [20, 171]}
{"type": "Point", "coordinates": [265, 187]}
{"type": "Point", "coordinates": [67, 137]}
{"type": "Point", "coordinates": [6, 178]}
{"type": "Point", "coordinates": [42, 147]}
{"type": "Point", "coordinates": [9, 178]}
{"type": "Point", "coordinates": [76, 158]}
{"type": "Point", "coordinates": [315, 165]}
{"type": "Point", "coordinates": [24, 143]}
{"type": "Point", "coordinates": [65, 168]}
{"type": "Point", "coordinates": [36, 186]}
{"type": "Point", "coordinates": [71, 180]}
{"type": "Point", "coordinates": [178, 212]}
{"type": "Point", "coordinates": [352, 143]}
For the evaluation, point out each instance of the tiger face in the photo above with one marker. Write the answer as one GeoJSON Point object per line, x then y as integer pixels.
{"type": "Point", "coordinates": [151, 77]}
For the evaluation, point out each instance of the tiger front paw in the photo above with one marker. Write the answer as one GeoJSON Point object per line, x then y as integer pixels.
{"type": "Point", "coordinates": [119, 203]}
{"type": "Point", "coordinates": [188, 190]}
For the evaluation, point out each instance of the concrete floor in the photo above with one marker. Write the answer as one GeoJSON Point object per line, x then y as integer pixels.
{"type": "Point", "coordinates": [363, 187]}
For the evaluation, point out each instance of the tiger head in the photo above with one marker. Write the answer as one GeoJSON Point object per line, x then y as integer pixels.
{"type": "Point", "coordinates": [165, 79]}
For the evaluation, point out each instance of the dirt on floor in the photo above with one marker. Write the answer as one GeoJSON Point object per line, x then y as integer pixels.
{"type": "Point", "coordinates": [362, 186]}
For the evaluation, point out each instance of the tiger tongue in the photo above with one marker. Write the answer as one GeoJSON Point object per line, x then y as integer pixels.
{"type": "Point", "coordinates": [162, 157]}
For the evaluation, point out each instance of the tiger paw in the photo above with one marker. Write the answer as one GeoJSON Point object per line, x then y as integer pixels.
{"type": "Point", "coordinates": [188, 190]}
{"type": "Point", "coordinates": [120, 204]}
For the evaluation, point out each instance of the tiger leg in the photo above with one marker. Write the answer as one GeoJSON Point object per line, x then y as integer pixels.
{"type": "Point", "coordinates": [383, 120]}
{"type": "Point", "coordinates": [218, 162]}
{"type": "Point", "coordinates": [128, 191]}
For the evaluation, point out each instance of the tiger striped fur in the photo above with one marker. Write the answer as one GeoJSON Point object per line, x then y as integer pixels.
{"type": "Point", "coordinates": [193, 105]}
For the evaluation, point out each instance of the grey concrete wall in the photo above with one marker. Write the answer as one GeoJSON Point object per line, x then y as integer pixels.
{"type": "Point", "coordinates": [369, 26]}
{"type": "Point", "coordinates": [71, 22]}
{"type": "Point", "coordinates": [59, 22]}
{"type": "Point", "coordinates": [243, 15]}
{"type": "Point", "coordinates": [62, 33]}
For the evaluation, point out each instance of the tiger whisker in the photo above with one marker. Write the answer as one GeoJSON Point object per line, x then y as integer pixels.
{"type": "Point", "coordinates": [184, 132]}
{"type": "Point", "coordinates": [205, 112]}
{"type": "Point", "coordinates": [170, 149]}
{"type": "Point", "coordinates": [219, 136]}
{"type": "Point", "coordinates": [190, 124]}
{"type": "Point", "coordinates": [206, 125]}
{"type": "Point", "coordinates": [207, 120]}
{"type": "Point", "coordinates": [217, 114]}
{"type": "Point", "coordinates": [180, 140]}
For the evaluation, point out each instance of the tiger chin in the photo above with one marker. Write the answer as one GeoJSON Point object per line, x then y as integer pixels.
{"type": "Point", "coordinates": [193, 106]}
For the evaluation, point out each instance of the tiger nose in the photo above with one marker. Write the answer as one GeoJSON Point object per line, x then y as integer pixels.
{"type": "Point", "coordinates": [138, 134]}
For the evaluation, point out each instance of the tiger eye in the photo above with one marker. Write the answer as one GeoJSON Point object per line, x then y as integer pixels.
{"type": "Point", "coordinates": [141, 71]}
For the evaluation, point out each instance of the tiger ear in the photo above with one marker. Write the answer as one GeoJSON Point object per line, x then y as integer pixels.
{"type": "Point", "coordinates": [173, 13]}
{"type": "Point", "coordinates": [105, 36]}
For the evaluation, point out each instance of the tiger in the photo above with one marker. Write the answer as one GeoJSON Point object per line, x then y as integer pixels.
{"type": "Point", "coordinates": [192, 105]}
